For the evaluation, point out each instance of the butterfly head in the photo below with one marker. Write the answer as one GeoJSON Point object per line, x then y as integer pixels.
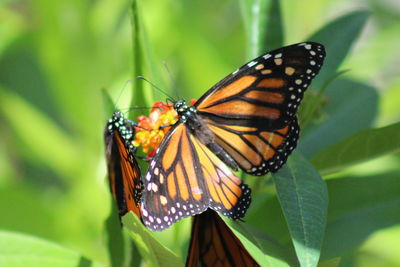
{"type": "Point", "coordinates": [183, 110]}
{"type": "Point", "coordinates": [118, 122]}
{"type": "Point", "coordinates": [180, 106]}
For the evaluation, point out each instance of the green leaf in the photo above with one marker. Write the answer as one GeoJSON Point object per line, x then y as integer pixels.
{"type": "Point", "coordinates": [263, 23]}
{"type": "Point", "coordinates": [264, 249]}
{"type": "Point", "coordinates": [22, 250]}
{"type": "Point", "coordinates": [338, 37]}
{"type": "Point", "coordinates": [313, 101]}
{"type": "Point", "coordinates": [276, 228]}
{"type": "Point", "coordinates": [135, 255]}
{"type": "Point", "coordinates": [330, 263]}
{"type": "Point", "coordinates": [303, 197]}
{"type": "Point", "coordinates": [352, 107]}
{"type": "Point", "coordinates": [360, 206]}
{"type": "Point", "coordinates": [115, 238]}
{"type": "Point", "coordinates": [362, 146]}
{"type": "Point", "coordinates": [152, 251]}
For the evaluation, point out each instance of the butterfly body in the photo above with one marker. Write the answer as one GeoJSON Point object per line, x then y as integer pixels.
{"type": "Point", "coordinates": [247, 121]}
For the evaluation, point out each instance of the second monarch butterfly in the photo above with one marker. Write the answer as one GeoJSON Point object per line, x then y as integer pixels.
{"type": "Point", "coordinates": [247, 121]}
{"type": "Point", "coordinates": [214, 244]}
{"type": "Point", "coordinates": [123, 170]}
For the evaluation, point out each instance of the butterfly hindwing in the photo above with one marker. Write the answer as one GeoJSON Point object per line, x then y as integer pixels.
{"type": "Point", "coordinates": [257, 151]}
{"type": "Point", "coordinates": [213, 243]}
{"type": "Point", "coordinates": [185, 178]}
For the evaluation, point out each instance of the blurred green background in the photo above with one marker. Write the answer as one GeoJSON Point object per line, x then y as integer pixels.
{"type": "Point", "coordinates": [57, 56]}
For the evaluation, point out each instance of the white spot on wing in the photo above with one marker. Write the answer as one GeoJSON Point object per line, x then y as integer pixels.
{"type": "Point", "coordinates": [251, 63]}
{"type": "Point", "coordinates": [144, 212]}
{"type": "Point", "coordinates": [266, 56]}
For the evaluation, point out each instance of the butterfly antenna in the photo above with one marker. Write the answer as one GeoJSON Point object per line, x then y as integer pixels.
{"type": "Point", "coordinates": [171, 77]}
{"type": "Point", "coordinates": [120, 93]}
{"type": "Point", "coordinates": [154, 86]}
{"type": "Point", "coordinates": [126, 110]}
{"type": "Point", "coordinates": [136, 107]}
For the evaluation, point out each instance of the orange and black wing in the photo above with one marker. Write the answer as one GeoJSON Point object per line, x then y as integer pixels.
{"type": "Point", "coordinates": [123, 170]}
{"type": "Point", "coordinates": [257, 151]}
{"type": "Point", "coordinates": [185, 178]}
{"type": "Point", "coordinates": [213, 244]}
{"type": "Point", "coordinates": [252, 112]}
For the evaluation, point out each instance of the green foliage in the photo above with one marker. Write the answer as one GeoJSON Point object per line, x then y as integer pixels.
{"type": "Point", "coordinates": [361, 102]}
{"type": "Point", "coordinates": [265, 250]}
{"type": "Point", "coordinates": [22, 250]}
{"type": "Point", "coordinates": [360, 212]}
{"type": "Point", "coordinates": [338, 37]}
{"type": "Point", "coordinates": [263, 22]}
{"type": "Point", "coordinates": [66, 65]}
{"type": "Point", "coordinates": [116, 244]}
{"type": "Point", "coordinates": [154, 253]}
{"type": "Point", "coordinates": [304, 200]}
{"type": "Point", "coordinates": [363, 145]}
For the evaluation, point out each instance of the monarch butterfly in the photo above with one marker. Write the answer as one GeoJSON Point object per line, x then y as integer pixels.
{"type": "Point", "coordinates": [123, 170]}
{"type": "Point", "coordinates": [213, 243]}
{"type": "Point", "coordinates": [247, 121]}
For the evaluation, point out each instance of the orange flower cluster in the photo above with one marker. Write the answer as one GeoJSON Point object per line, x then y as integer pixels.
{"type": "Point", "coordinates": [151, 130]}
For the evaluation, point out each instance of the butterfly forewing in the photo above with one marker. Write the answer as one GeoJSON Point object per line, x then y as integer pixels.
{"type": "Point", "coordinates": [123, 170]}
{"type": "Point", "coordinates": [185, 178]}
{"type": "Point", "coordinates": [266, 92]}
{"type": "Point", "coordinates": [252, 112]}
